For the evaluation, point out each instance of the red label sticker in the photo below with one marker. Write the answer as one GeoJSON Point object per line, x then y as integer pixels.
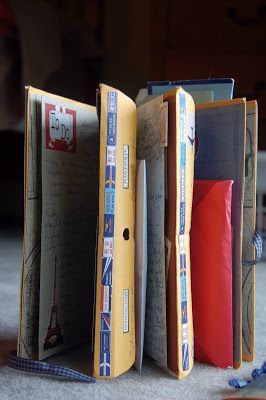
{"type": "Point", "coordinates": [60, 128]}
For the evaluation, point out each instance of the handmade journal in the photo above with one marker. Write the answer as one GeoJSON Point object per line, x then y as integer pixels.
{"type": "Point", "coordinates": [125, 253]}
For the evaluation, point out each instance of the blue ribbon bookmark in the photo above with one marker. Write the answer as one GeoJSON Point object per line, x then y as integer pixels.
{"type": "Point", "coordinates": [257, 242]}
{"type": "Point", "coordinates": [40, 367]}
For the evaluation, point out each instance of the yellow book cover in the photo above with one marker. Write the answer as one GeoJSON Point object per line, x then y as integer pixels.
{"type": "Point", "coordinates": [180, 175]}
{"type": "Point", "coordinates": [114, 350]}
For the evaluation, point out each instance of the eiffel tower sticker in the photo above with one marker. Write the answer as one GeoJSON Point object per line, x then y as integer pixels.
{"type": "Point", "coordinates": [54, 336]}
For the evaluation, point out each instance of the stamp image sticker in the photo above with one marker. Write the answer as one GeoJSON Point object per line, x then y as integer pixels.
{"type": "Point", "coordinates": [106, 299]}
{"type": "Point", "coordinates": [109, 201]}
{"type": "Point", "coordinates": [111, 155]}
{"type": "Point", "coordinates": [107, 267]}
{"type": "Point", "coordinates": [105, 321]}
{"type": "Point", "coordinates": [108, 247]}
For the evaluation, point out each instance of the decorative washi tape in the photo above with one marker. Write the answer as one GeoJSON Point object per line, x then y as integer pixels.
{"type": "Point", "coordinates": [182, 211]}
{"type": "Point", "coordinates": [108, 236]}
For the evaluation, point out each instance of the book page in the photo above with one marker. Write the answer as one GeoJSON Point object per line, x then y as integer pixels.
{"type": "Point", "coordinates": [30, 280]}
{"type": "Point", "coordinates": [140, 260]}
{"type": "Point", "coordinates": [249, 217]}
{"type": "Point", "coordinates": [70, 162]}
{"type": "Point", "coordinates": [150, 147]}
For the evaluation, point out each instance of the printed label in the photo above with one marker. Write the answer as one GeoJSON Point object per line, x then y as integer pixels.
{"type": "Point", "coordinates": [125, 167]}
{"type": "Point", "coordinates": [182, 218]}
{"type": "Point", "coordinates": [185, 356]}
{"type": "Point", "coordinates": [108, 247]}
{"type": "Point", "coordinates": [105, 321]}
{"type": "Point", "coordinates": [183, 287]}
{"type": "Point", "coordinates": [109, 224]}
{"type": "Point", "coordinates": [125, 311]}
{"type": "Point", "coordinates": [184, 312]}
{"type": "Point", "coordinates": [105, 341]}
{"type": "Point", "coordinates": [182, 245]}
{"type": "Point", "coordinates": [60, 128]}
{"type": "Point", "coordinates": [110, 173]}
{"type": "Point", "coordinates": [109, 201]}
{"type": "Point", "coordinates": [112, 119]}
{"type": "Point", "coordinates": [105, 367]}
{"type": "Point", "coordinates": [111, 156]}
{"type": "Point", "coordinates": [106, 299]}
{"type": "Point", "coordinates": [107, 266]}
{"type": "Point", "coordinates": [183, 185]}
{"type": "Point", "coordinates": [112, 102]}
{"type": "Point", "coordinates": [183, 155]}
{"type": "Point", "coordinates": [184, 333]}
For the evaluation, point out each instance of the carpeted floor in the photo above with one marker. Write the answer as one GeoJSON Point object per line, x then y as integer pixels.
{"type": "Point", "coordinates": [153, 383]}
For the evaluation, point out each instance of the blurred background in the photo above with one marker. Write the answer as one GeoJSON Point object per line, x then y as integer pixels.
{"type": "Point", "coordinates": [68, 46]}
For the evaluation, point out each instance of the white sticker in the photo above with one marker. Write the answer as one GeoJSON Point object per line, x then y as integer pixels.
{"type": "Point", "coordinates": [184, 333]}
{"type": "Point", "coordinates": [125, 166]}
{"type": "Point", "coordinates": [105, 299]}
{"type": "Point", "coordinates": [111, 155]}
{"type": "Point", "coordinates": [182, 244]}
{"type": "Point", "coordinates": [125, 311]}
{"type": "Point", "coordinates": [108, 247]}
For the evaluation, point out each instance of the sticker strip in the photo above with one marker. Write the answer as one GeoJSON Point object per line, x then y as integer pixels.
{"type": "Point", "coordinates": [182, 210]}
{"type": "Point", "coordinates": [108, 236]}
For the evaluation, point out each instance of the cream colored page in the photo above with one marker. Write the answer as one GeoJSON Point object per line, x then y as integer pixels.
{"type": "Point", "coordinates": [140, 260]}
{"type": "Point", "coordinates": [249, 215]}
{"type": "Point", "coordinates": [29, 307]}
{"type": "Point", "coordinates": [70, 160]}
{"type": "Point", "coordinates": [151, 131]}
